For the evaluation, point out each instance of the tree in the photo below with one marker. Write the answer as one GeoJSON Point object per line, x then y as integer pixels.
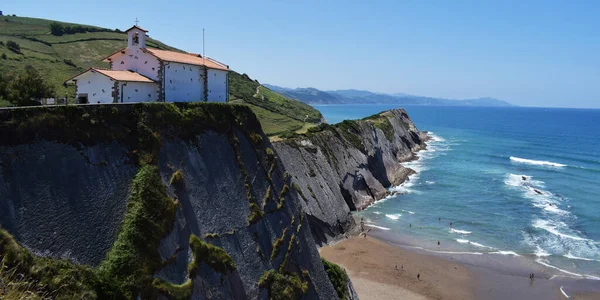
{"type": "Point", "coordinates": [57, 28]}
{"type": "Point", "coordinates": [13, 46]}
{"type": "Point", "coordinates": [28, 86]}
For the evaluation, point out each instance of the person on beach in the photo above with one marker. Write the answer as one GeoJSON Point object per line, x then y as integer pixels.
{"type": "Point", "coordinates": [396, 267]}
{"type": "Point", "coordinates": [419, 276]}
{"type": "Point", "coordinates": [362, 224]}
{"type": "Point", "coordinates": [438, 245]}
{"type": "Point", "coordinates": [410, 225]}
{"type": "Point", "coordinates": [401, 267]}
{"type": "Point", "coordinates": [450, 224]}
{"type": "Point", "coordinates": [439, 219]}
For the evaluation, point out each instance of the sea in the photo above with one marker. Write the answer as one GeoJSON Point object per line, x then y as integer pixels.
{"type": "Point", "coordinates": [512, 181]}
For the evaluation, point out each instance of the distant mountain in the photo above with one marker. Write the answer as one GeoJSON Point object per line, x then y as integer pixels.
{"type": "Point", "coordinates": [315, 96]}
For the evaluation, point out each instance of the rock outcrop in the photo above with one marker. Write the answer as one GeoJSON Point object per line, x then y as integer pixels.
{"type": "Point", "coordinates": [346, 167]}
{"type": "Point", "coordinates": [163, 201]}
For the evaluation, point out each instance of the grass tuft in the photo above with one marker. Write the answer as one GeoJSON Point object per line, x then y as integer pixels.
{"type": "Point", "coordinates": [209, 254]}
{"type": "Point", "coordinates": [338, 278]}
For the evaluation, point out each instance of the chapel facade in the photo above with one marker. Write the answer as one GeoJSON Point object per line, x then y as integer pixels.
{"type": "Point", "coordinates": [141, 74]}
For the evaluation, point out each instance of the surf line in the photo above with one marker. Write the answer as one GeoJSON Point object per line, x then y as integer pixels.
{"type": "Point", "coordinates": [563, 292]}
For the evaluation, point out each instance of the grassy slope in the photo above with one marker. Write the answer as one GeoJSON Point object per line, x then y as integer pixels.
{"type": "Point", "coordinates": [276, 113]}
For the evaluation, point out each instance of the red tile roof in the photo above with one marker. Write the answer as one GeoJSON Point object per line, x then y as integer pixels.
{"type": "Point", "coordinates": [178, 57]}
{"type": "Point", "coordinates": [186, 58]}
{"type": "Point", "coordinates": [129, 76]}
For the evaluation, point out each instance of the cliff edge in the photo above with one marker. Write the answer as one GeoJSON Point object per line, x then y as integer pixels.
{"type": "Point", "coordinates": [345, 167]}
{"type": "Point", "coordinates": [159, 201]}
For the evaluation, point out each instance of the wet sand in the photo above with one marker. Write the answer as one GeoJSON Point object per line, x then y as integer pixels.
{"type": "Point", "coordinates": [371, 264]}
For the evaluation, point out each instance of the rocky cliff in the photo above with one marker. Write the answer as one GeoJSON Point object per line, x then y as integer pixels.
{"type": "Point", "coordinates": [345, 167]}
{"type": "Point", "coordinates": [179, 201]}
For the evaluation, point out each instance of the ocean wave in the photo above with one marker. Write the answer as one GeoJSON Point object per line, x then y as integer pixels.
{"type": "Point", "coordinates": [552, 228]}
{"type": "Point", "coordinates": [377, 212]}
{"type": "Point", "coordinates": [378, 227]}
{"type": "Point", "coordinates": [536, 162]}
{"type": "Point", "coordinates": [539, 252]}
{"type": "Point", "coordinates": [460, 231]}
{"type": "Point", "coordinates": [534, 190]}
{"type": "Point", "coordinates": [571, 256]}
{"type": "Point", "coordinates": [463, 241]}
{"type": "Point", "coordinates": [505, 253]}
{"type": "Point", "coordinates": [393, 216]}
{"type": "Point", "coordinates": [545, 263]}
{"type": "Point", "coordinates": [435, 138]}
{"type": "Point", "coordinates": [455, 252]}
{"type": "Point", "coordinates": [409, 212]}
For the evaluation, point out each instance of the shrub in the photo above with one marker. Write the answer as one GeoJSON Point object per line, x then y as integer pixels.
{"type": "Point", "coordinates": [3, 55]}
{"type": "Point", "coordinates": [176, 178]}
{"type": "Point", "coordinates": [282, 286]}
{"type": "Point", "coordinates": [13, 46]}
{"type": "Point", "coordinates": [338, 278]}
{"type": "Point", "coordinates": [209, 254]}
{"type": "Point", "coordinates": [1, 43]}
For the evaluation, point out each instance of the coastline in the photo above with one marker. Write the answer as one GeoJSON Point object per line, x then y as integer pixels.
{"type": "Point", "coordinates": [370, 263]}
{"type": "Point", "coordinates": [451, 274]}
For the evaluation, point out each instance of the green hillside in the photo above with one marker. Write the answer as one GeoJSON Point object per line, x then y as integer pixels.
{"type": "Point", "coordinates": [58, 58]}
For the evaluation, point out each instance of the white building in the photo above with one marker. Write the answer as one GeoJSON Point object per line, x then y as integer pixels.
{"type": "Point", "coordinates": [140, 74]}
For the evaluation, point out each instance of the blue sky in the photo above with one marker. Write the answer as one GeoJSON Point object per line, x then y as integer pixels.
{"type": "Point", "coordinates": [533, 53]}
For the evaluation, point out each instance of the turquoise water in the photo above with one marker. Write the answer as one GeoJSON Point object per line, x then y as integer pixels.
{"type": "Point", "coordinates": [513, 181]}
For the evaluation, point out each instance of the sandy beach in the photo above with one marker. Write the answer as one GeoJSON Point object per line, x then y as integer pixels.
{"type": "Point", "coordinates": [371, 264]}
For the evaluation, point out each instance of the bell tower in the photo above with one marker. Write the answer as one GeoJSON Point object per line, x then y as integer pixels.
{"type": "Point", "coordinates": [136, 37]}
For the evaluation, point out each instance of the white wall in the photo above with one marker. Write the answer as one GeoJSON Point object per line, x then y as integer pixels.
{"type": "Point", "coordinates": [137, 92]}
{"type": "Point", "coordinates": [98, 87]}
{"type": "Point", "coordinates": [137, 60]}
{"type": "Point", "coordinates": [217, 86]}
{"type": "Point", "coordinates": [183, 83]}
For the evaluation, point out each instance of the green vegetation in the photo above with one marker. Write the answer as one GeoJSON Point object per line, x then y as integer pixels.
{"type": "Point", "coordinates": [209, 254]}
{"type": "Point", "coordinates": [174, 291]}
{"type": "Point", "coordinates": [59, 50]}
{"type": "Point", "coordinates": [338, 278]}
{"type": "Point", "coordinates": [130, 264]}
{"type": "Point", "coordinates": [277, 244]}
{"type": "Point", "coordinates": [351, 131]}
{"type": "Point", "coordinates": [30, 277]}
{"type": "Point", "coordinates": [382, 122]}
{"type": "Point", "coordinates": [85, 46]}
{"type": "Point", "coordinates": [24, 88]}
{"type": "Point", "coordinates": [176, 178]}
{"type": "Point", "coordinates": [255, 213]}
{"type": "Point", "coordinates": [276, 113]}
{"type": "Point", "coordinates": [134, 257]}
{"type": "Point", "coordinates": [282, 286]}
{"type": "Point", "coordinates": [282, 194]}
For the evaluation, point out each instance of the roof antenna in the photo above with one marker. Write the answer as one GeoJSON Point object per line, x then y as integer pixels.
{"type": "Point", "coordinates": [203, 50]}
{"type": "Point", "coordinates": [136, 21]}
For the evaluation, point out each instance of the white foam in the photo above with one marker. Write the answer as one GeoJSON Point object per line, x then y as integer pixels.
{"type": "Point", "coordinates": [429, 182]}
{"type": "Point", "coordinates": [435, 138]}
{"type": "Point", "coordinates": [393, 216]}
{"type": "Point", "coordinates": [463, 241]}
{"type": "Point", "coordinates": [460, 231]}
{"type": "Point", "coordinates": [505, 253]}
{"type": "Point", "coordinates": [552, 228]}
{"type": "Point", "coordinates": [377, 212]}
{"type": "Point", "coordinates": [453, 252]}
{"type": "Point", "coordinates": [571, 256]}
{"type": "Point", "coordinates": [408, 211]}
{"type": "Point", "coordinates": [378, 227]}
{"type": "Point", "coordinates": [545, 263]}
{"type": "Point", "coordinates": [539, 252]}
{"type": "Point", "coordinates": [536, 162]}
{"type": "Point", "coordinates": [563, 292]}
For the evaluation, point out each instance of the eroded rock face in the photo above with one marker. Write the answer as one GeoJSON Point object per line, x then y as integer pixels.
{"type": "Point", "coordinates": [62, 198]}
{"type": "Point", "coordinates": [348, 166]}
{"type": "Point", "coordinates": [64, 202]}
